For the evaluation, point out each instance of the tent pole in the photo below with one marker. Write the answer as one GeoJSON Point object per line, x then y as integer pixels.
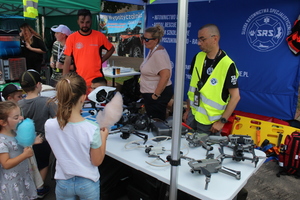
{"type": "Point", "coordinates": [178, 93]}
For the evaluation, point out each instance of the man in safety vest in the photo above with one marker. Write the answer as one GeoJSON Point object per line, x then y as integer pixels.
{"type": "Point", "coordinates": [213, 93]}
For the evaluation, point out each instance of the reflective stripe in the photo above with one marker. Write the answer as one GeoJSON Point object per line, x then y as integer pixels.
{"type": "Point", "coordinates": [203, 111]}
{"type": "Point", "coordinates": [212, 103]}
{"type": "Point", "coordinates": [208, 101]}
{"type": "Point", "coordinates": [192, 89]}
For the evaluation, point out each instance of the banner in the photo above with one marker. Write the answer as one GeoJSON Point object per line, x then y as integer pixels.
{"type": "Point", "coordinates": [253, 34]}
{"type": "Point", "coordinates": [124, 30]}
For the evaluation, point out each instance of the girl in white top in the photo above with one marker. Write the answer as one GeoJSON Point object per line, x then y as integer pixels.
{"type": "Point", "coordinates": [77, 143]}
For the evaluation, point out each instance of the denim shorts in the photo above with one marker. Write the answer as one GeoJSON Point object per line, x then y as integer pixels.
{"type": "Point", "coordinates": [84, 188]}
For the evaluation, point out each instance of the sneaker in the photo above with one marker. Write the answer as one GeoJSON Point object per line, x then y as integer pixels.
{"type": "Point", "coordinates": [41, 193]}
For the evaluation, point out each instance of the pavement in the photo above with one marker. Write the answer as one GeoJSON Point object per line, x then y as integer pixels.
{"type": "Point", "coordinates": [263, 185]}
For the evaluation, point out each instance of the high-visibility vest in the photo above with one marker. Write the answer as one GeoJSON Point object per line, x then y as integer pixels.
{"type": "Point", "coordinates": [211, 105]}
{"type": "Point", "coordinates": [30, 8]}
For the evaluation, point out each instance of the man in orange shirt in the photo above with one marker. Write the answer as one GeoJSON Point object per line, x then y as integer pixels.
{"type": "Point", "coordinates": [85, 46]}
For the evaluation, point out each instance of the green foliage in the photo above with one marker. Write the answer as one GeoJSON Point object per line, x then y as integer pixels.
{"type": "Point", "coordinates": [113, 7]}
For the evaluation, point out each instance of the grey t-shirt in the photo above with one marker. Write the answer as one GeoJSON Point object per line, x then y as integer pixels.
{"type": "Point", "coordinates": [38, 109]}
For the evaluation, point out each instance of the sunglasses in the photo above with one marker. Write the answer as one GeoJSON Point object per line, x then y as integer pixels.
{"type": "Point", "coordinates": [147, 39]}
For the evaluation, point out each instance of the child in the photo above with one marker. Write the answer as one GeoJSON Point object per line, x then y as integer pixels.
{"type": "Point", "coordinates": [13, 93]}
{"type": "Point", "coordinates": [39, 110]}
{"type": "Point", "coordinates": [99, 81]}
{"type": "Point", "coordinates": [77, 143]}
{"type": "Point", "coordinates": [15, 179]}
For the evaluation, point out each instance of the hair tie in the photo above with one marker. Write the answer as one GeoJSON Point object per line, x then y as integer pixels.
{"type": "Point", "coordinates": [68, 80]}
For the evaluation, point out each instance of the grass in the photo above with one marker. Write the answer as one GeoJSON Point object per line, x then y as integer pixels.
{"type": "Point", "coordinates": [119, 80]}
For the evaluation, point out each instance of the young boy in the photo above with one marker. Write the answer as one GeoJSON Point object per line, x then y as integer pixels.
{"type": "Point", "coordinates": [99, 81]}
{"type": "Point", "coordinates": [39, 110]}
{"type": "Point", "coordinates": [12, 92]}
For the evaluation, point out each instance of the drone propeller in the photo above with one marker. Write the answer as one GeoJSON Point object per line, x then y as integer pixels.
{"type": "Point", "coordinates": [207, 175]}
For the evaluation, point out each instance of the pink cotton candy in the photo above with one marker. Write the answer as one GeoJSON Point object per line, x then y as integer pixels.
{"type": "Point", "coordinates": [111, 113]}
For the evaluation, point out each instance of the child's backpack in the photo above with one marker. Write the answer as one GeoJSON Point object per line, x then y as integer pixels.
{"type": "Point", "coordinates": [289, 156]}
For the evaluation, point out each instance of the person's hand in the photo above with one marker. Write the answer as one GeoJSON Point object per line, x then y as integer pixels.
{"type": "Point", "coordinates": [52, 64]}
{"type": "Point", "coordinates": [39, 139]}
{"type": "Point", "coordinates": [28, 46]}
{"type": "Point", "coordinates": [185, 115]}
{"type": "Point", "coordinates": [216, 127]}
{"type": "Point", "coordinates": [154, 97]}
{"type": "Point", "coordinates": [104, 132]}
{"type": "Point", "coordinates": [28, 152]}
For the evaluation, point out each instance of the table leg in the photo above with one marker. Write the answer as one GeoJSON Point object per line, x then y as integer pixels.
{"type": "Point", "coordinates": [113, 82]}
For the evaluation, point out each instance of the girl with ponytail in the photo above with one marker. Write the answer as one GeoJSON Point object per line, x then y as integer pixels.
{"type": "Point", "coordinates": [77, 143]}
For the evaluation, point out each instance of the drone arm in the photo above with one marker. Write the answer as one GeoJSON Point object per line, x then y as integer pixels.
{"type": "Point", "coordinates": [231, 172]}
{"type": "Point", "coordinates": [141, 135]}
{"type": "Point", "coordinates": [207, 180]}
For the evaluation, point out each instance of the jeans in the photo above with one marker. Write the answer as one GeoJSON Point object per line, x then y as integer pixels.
{"type": "Point", "coordinates": [84, 188]}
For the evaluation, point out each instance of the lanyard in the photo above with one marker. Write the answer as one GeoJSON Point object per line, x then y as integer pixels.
{"type": "Point", "coordinates": [59, 54]}
{"type": "Point", "coordinates": [210, 68]}
{"type": "Point", "coordinates": [150, 54]}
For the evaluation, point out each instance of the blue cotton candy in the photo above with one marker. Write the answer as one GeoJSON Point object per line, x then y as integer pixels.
{"type": "Point", "coordinates": [26, 133]}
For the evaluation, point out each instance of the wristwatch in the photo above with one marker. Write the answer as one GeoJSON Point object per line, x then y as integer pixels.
{"type": "Point", "coordinates": [223, 120]}
{"type": "Point", "coordinates": [156, 95]}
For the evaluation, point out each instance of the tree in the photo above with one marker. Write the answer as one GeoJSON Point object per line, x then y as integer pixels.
{"type": "Point", "coordinates": [113, 7]}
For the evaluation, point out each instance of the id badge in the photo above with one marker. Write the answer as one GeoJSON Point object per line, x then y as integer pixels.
{"type": "Point", "coordinates": [196, 98]}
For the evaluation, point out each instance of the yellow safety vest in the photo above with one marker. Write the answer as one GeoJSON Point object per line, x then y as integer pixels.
{"type": "Point", "coordinates": [211, 105]}
{"type": "Point", "coordinates": [30, 8]}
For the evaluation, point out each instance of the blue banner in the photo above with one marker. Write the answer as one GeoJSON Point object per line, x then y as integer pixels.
{"type": "Point", "coordinates": [124, 30]}
{"type": "Point", "coordinates": [253, 34]}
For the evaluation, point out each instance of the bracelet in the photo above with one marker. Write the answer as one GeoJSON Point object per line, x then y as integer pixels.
{"type": "Point", "coordinates": [156, 95]}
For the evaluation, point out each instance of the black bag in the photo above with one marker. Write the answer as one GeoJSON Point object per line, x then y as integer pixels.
{"type": "Point", "coordinates": [289, 156]}
{"type": "Point", "coordinates": [131, 90]}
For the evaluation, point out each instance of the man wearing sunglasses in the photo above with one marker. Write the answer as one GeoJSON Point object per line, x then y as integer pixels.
{"type": "Point", "coordinates": [85, 47]}
{"type": "Point", "coordinates": [213, 93]}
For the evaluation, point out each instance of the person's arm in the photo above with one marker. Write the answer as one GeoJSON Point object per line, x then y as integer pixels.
{"type": "Point", "coordinates": [8, 163]}
{"type": "Point", "coordinates": [234, 99]}
{"type": "Point", "coordinates": [67, 65]}
{"type": "Point", "coordinates": [108, 54]}
{"type": "Point", "coordinates": [52, 63]}
{"type": "Point", "coordinates": [163, 81]}
{"type": "Point", "coordinates": [187, 110]}
{"type": "Point", "coordinates": [97, 155]}
{"type": "Point", "coordinates": [36, 50]}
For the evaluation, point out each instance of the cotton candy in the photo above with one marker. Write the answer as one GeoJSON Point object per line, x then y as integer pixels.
{"type": "Point", "coordinates": [26, 133]}
{"type": "Point", "coordinates": [111, 113]}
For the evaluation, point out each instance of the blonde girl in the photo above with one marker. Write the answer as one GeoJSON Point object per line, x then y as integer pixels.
{"type": "Point", "coordinates": [77, 143]}
{"type": "Point", "coordinates": [15, 180]}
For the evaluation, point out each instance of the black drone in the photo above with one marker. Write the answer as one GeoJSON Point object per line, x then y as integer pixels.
{"type": "Point", "coordinates": [239, 144]}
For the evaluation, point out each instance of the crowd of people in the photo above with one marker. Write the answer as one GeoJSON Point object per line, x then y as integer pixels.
{"type": "Point", "coordinates": [78, 144]}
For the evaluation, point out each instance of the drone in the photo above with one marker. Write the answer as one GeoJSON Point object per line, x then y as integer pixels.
{"type": "Point", "coordinates": [129, 129]}
{"type": "Point", "coordinates": [239, 144]}
{"type": "Point", "coordinates": [210, 165]}
{"type": "Point", "coordinates": [202, 139]}
{"type": "Point", "coordinates": [154, 149]}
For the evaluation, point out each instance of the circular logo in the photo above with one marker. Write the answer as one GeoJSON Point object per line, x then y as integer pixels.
{"type": "Point", "coordinates": [213, 81]}
{"type": "Point", "coordinates": [265, 32]}
{"type": "Point", "coordinates": [79, 45]}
